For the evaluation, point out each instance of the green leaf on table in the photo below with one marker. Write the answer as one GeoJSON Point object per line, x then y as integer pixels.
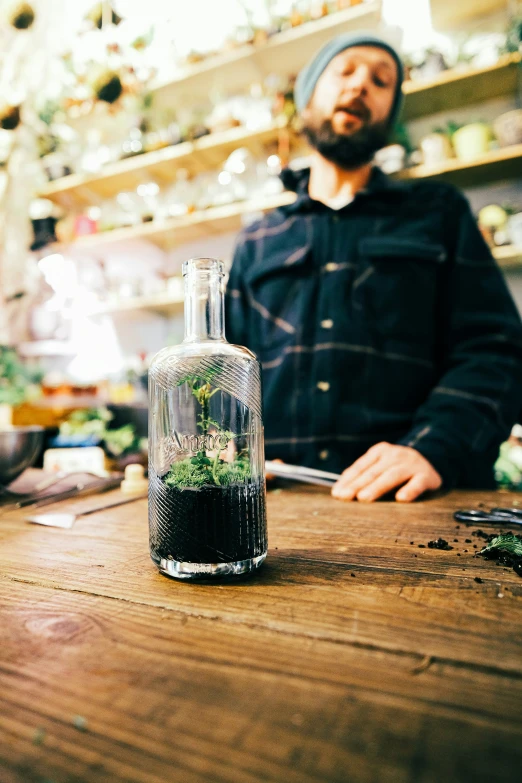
{"type": "Point", "coordinates": [507, 542]}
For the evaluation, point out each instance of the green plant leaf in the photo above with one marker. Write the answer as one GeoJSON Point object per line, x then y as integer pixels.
{"type": "Point", "coordinates": [193, 473]}
{"type": "Point", "coordinates": [507, 542]}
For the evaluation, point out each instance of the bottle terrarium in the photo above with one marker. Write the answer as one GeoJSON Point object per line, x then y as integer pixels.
{"type": "Point", "coordinates": [207, 513]}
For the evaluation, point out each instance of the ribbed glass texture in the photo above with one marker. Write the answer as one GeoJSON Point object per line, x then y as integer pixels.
{"type": "Point", "coordinates": [207, 514]}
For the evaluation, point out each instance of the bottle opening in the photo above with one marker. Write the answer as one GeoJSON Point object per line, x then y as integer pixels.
{"type": "Point", "coordinates": [208, 265]}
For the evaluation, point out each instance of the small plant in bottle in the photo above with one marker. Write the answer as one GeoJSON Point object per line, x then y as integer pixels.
{"type": "Point", "coordinates": [210, 465]}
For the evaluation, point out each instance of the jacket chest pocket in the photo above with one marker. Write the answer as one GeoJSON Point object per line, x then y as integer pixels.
{"type": "Point", "coordinates": [398, 288]}
{"type": "Point", "coordinates": [278, 293]}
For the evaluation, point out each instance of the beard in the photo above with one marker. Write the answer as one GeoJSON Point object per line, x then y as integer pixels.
{"type": "Point", "coordinates": [348, 151]}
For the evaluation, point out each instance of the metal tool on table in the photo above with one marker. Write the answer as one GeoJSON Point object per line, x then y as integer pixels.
{"type": "Point", "coordinates": [67, 520]}
{"type": "Point", "coordinates": [46, 483]}
{"type": "Point", "coordinates": [79, 490]}
{"type": "Point", "coordinates": [298, 473]}
{"type": "Point", "coordinates": [497, 516]}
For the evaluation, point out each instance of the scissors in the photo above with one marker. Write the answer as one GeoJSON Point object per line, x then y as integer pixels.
{"type": "Point", "coordinates": [299, 473]}
{"type": "Point", "coordinates": [497, 516]}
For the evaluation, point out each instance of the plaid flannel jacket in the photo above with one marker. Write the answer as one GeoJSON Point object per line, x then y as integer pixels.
{"type": "Point", "coordinates": [387, 320]}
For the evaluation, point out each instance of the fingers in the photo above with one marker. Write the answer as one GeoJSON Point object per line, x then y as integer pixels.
{"type": "Point", "coordinates": [415, 487]}
{"type": "Point", "coordinates": [364, 462]}
{"type": "Point", "coordinates": [386, 467]}
{"type": "Point", "coordinates": [347, 489]}
{"type": "Point", "coordinates": [342, 488]}
{"type": "Point", "coordinates": [390, 479]}
{"type": "Point", "coordinates": [270, 476]}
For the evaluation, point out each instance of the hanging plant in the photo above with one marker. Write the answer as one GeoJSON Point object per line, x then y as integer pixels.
{"type": "Point", "coordinates": [142, 41]}
{"type": "Point", "coordinates": [514, 35]}
{"type": "Point", "coordinates": [96, 16]}
{"type": "Point", "coordinates": [108, 87]}
{"type": "Point", "coordinates": [22, 16]}
{"type": "Point", "coordinates": [9, 117]}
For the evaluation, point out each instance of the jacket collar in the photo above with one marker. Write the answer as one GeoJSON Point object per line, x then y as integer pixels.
{"type": "Point", "coordinates": [298, 182]}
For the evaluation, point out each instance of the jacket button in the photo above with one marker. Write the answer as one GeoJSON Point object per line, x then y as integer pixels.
{"type": "Point", "coordinates": [331, 266]}
{"type": "Point", "coordinates": [324, 454]}
{"type": "Point", "coordinates": [327, 323]}
{"type": "Point", "coordinates": [323, 386]}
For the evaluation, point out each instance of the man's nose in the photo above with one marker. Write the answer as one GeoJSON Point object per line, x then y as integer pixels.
{"type": "Point", "coordinates": [359, 79]}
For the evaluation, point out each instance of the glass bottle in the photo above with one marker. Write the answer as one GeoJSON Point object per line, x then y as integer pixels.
{"type": "Point", "coordinates": [207, 513]}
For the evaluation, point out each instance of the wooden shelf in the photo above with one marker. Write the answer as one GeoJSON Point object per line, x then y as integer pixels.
{"type": "Point", "coordinates": [454, 88]}
{"type": "Point", "coordinates": [450, 90]}
{"type": "Point", "coordinates": [164, 304]}
{"type": "Point", "coordinates": [159, 166]}
{"type": "Point", "coordinates": [508, 256]}
{"type": "Point", "coordinates": [504, 163]}
{"type": "Point", "coordinates": [178, 231]}
{"type": "Point", "coordinates": [284, 54]}
{"type": "Point", "coordinates": [448, 14]}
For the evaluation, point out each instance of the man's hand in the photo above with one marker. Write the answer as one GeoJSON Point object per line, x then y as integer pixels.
{"type": "Point", "coordinates": [270, 476]}
{"type": "Point", "coordinates": [383, 468]}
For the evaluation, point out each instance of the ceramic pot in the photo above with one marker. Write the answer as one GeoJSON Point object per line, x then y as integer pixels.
{"type": "Point", "coordinates": [436, 148]}
{"type": "Point", "coordinates": [508, 128]}
{"type": "Point", "coordinates": [472, 141]}
{"type": "Point", "coordinates": [515, 229]}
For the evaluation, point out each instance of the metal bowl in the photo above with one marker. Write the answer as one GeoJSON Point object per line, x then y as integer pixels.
{"type": "Point", "coordinates": [19, 449]}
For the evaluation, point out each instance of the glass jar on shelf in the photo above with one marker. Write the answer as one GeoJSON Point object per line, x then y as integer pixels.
{"type": "Point", "coordinates": [130, 208]}
{"type": "Point", "coordinates": [133, 144]}
{"type": "Point", "coordinates": [95, 154]}
{"type": "Point", "coordinates": [178, 199]}
{"type": "Point", "coordinates": [241, 168]}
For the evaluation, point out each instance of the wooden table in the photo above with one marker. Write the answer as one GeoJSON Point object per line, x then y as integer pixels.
{"type": "Point", "coordinates": [354, 655]}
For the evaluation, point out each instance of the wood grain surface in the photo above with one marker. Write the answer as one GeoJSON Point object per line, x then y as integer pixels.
{"type": "Point", "coordinates": [353, 655]}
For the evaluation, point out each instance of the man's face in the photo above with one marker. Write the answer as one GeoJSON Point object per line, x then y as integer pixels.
{"type": "Point", "coordinates": [347, 119]}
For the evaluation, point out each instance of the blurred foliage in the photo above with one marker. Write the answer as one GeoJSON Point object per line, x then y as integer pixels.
{"type": "Point", "coordinates": [94, 422]}
{"type": "Point", "coordinates": [17, 382]}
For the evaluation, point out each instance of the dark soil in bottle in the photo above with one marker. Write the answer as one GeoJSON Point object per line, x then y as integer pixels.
{"type": "Point", "coordinates": [209, 524]}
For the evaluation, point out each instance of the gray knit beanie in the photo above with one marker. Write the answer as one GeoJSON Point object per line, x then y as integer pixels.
{"type": "Point", "coordinates": [309, 75]}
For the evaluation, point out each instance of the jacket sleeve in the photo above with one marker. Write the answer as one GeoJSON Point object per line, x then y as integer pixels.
{"type": "Point", "coordinates": [236, 305]}
{"type": "Point", "coordinates": [478, 396]}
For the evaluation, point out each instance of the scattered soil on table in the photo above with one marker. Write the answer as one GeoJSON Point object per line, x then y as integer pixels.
{"type": "Point", "coordinates": [481, 534]}
{"type": "Point", "coordinates": [439, 543]}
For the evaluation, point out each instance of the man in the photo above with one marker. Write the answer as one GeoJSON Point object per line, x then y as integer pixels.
{"type": "Point", "coordinates": [391, 348]}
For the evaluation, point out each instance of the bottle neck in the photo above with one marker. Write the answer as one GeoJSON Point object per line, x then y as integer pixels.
{"type": "Point", "coordinates": [204, 306]}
